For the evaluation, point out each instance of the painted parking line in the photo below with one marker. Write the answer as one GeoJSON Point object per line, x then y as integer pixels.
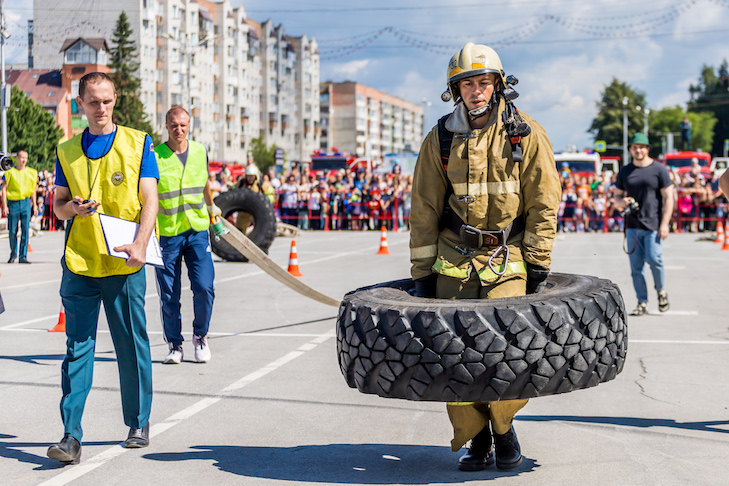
{"type": "Point", "coordinates": [105, 456]}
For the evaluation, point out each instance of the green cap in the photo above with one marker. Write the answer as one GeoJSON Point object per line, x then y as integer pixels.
{"type": "Point", "coordinates": [640, 139]}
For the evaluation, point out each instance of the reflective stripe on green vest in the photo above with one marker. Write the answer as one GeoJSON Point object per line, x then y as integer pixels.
{"type": "Point", "coordinates": [485, 274]}
{"type": "Point", "coordinates": [180, 188]}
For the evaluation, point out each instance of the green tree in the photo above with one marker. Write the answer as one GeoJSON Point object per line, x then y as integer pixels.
{"type": "Point", "coordinates": [263, 156]}
{"type": "Point", "coordinates": [33, 129]}
{"type": "Point", "coordinates": [129, 110]}
{"type": "Point", "coordinates": [608, 124]}
{"type": "Point", "coordinates": [667, 120]}
{"type": "Point", "coordinates": [711, 95]}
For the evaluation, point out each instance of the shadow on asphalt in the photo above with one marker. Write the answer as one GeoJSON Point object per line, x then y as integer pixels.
{"type": "Point", "coordinates": [343, 463]}
{"type": "Point", "coordinates": [11, 450]}
{"type": "Point", "coordinates": [630, 422]}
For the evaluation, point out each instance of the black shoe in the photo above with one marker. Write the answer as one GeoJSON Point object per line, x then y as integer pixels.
{"type": "Point", "coordinates": [24, 260]}
{"type": "Point", "coordinates": [508, 452]}
{"type": "Point", "coordinates": [137, 438]}
{"type": "Point", "coordinates": [480, 454]}
{"type": "Point", "coordinates": [68, 450]}
{"type": "Point", "coordinates": [11, 260]}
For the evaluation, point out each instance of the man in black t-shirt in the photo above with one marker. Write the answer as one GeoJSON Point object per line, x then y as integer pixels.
{"type": "Point", "coordinates": [648, 183]}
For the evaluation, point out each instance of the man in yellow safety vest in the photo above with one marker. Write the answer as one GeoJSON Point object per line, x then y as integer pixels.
{"type": "Point", "coordinates": [108, 169]}
{"type": "Point", "coordinates": [185, 206]}
{"type": "Point", "coordinates": [19, 202]}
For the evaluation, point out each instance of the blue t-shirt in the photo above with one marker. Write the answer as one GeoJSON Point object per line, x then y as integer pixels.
{"type": "Point", "coordinates": [96, 146]}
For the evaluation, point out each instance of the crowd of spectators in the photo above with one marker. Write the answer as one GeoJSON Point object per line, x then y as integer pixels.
{"type": "Point", "coordinates": [586, 200]}
{"type": "Point", "coordinates": [368, 199]}
{"type": "Point", "coordinates": [364, 199]}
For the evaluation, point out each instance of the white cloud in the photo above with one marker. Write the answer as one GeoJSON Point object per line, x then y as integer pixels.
{"type": "Point", "coordinates": [345, 71]}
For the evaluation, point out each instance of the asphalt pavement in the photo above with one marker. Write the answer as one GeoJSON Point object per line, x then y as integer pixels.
{"type": "Point", "coordinates": [272, 408]}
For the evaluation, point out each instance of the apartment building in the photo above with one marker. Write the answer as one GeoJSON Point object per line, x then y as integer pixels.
{"type": "Point", "coordinates": [239, 79]}
{"type": "Point", "coordinates": [361, 120]}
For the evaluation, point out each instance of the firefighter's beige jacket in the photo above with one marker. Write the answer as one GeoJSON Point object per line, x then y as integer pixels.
{"type": "Point", "coordinates": [481, 165]}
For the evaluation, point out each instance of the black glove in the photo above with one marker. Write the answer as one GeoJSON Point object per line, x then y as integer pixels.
{"type": "Point", "coordinates": [536, 278]}
{"type": "Point", "coordinates": [425, 286]}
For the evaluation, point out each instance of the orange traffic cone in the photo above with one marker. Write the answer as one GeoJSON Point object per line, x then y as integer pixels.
{"type": "Point", "coordinates": [726, 245]}
{"type": "Point", "coordinates": [719, 233]}
{"type": "Point", "coordinates": [294, 261]}
{"type": "Point", "coordinates": [61, 326]}
{"type": "Point", "coordinates": [383, 243]}
{"type": "Point", "coordinates": [30, 250]}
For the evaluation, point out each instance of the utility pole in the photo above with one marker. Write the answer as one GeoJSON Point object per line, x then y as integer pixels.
{"type": "Point", "coordinates": [3, 85]}
{"type": "Point", "coordinates": [625, 130]}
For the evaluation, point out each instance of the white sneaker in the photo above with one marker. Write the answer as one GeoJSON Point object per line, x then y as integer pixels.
{"type": "Point", "coordinates": [202, 350]}
{"type": "Point", "coordinates": [174, 356]}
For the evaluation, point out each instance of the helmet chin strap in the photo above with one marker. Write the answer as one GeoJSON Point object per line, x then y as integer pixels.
{"type": "Point", "coordinates": [483, 110]}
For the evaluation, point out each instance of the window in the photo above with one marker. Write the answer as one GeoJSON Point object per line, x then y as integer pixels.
{"type": "Point", "coordinates": [80, 53]}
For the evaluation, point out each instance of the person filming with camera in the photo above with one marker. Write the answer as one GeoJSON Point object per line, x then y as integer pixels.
{"type": "Point", "coordinates": [644, 196]}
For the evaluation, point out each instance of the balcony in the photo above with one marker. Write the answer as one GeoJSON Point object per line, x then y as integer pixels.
{"type": "Point", "coordinates": [229, 117]}
{"type": "Point", "coordinates": [272, 124]}
{"type": "Point", "coordinates": [160, 65]}
{"type": "Point", "coordinates": [159, 85]}
{"type": "Point", "coordinates": [216, 116]}
{"type": "Point", "coordinates": [196, 112]}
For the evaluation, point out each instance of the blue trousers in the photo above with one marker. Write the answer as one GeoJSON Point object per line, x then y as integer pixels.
{"type": "Point", "coordinates": [645, 247]}
{"type": "Point", "coordinates": [123, 298]}
{"type": "Point", "coordinates": [19, 211]}
{"type": "Point", "coordinates": [194, 247]}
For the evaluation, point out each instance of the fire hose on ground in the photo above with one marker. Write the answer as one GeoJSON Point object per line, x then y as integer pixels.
{"type": "Point", "coordinates": [225, 230]}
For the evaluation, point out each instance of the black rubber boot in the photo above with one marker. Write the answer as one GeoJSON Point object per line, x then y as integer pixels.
{"type": "Point", "coordinates": [480, 454]}
{"type": "Point", "coordinates": [508, 452]}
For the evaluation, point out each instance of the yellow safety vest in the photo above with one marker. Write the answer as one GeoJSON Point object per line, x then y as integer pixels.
{"type": "Point", "coordinates": [112, 180]}
{"type": "Point", "coordinates": [21, 183]}
{"type": "Point", "coordinates": [180, 188]}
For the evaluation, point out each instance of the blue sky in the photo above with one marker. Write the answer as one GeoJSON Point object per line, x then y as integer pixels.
{"type": "Point", "coordinates": [563, 51]}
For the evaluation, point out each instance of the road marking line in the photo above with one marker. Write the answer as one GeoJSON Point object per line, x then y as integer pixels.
{"type": "Point", "coordinates": [212, 334]}
{"type": "Point", "coordinates": [658, 341]}
{"type": "Point", "coordinates": [674, 313]}
{"type": "Point", "coordinates": [197, 407]}
{"type": "Point", "coordinates": [29, 284]}
{"type": "Point", "coordinates": [20, 324]}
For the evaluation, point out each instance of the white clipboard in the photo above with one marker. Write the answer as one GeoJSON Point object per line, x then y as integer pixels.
{"type": "Point", "coordinates": [118, 232]}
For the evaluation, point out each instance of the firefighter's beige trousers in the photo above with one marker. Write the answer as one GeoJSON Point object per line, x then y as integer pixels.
{"type": "Point", "coordinates": [469, 418]}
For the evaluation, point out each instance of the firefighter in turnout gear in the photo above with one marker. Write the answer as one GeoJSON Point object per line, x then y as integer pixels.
{"type": "Point", "coordinates": [484, 216]}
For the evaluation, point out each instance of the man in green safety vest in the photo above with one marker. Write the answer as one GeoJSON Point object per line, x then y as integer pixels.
{"type": "Point", "coordinates": [18, 196]}
{"type": "Point", "coordinates": [185, 209]}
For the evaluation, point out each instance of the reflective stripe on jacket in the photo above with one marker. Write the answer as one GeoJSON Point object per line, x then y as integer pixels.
{"type": "Point", "coordinates": [490, 190]}
{"type": "Point", "coordinates": [180, 188]}
{"type": "Point", "coordinates": [112, 180]}
{"type": "Point", "coordinates": [20, 183]}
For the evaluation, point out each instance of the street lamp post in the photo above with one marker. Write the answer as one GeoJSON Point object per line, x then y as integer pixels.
{"type": "Point", "coordinates": [426, 104]}
{"type": "Point", "coordinates": [3, 86]}
{"type": "Point", "coordinates": [625, 130]}
{"type": "Point", "coordinates": [646, 112]}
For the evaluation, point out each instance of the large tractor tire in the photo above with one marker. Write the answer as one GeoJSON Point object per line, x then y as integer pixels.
{"type": "Point", "coordinates": [253, 214]}
{"type": "Point", "coordinates": [571, 336]}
